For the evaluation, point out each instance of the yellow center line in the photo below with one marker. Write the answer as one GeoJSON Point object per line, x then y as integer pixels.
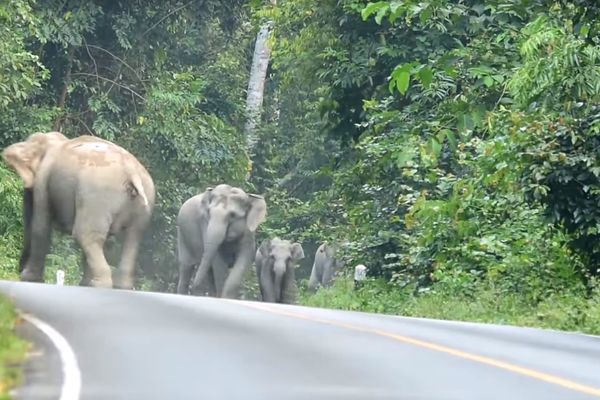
{"type": "Point", "coordinates": [553, 379]}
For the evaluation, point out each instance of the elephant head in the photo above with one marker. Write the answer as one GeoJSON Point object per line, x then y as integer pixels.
{"type": "Point", "coordinates": [25, 157]}
{"type": "Point", "coordinates": [277, 259]}
{"type": "Point", "coordinates": [231, 212]}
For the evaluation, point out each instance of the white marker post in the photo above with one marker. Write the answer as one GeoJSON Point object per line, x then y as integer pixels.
{"type": "Point", "coordinates": [60, 277]}
{"type": "Point", "coordinates": [360, 274]}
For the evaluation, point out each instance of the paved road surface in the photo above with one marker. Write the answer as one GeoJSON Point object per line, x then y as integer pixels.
{"type": "Point", "coordinates": [134, 345]}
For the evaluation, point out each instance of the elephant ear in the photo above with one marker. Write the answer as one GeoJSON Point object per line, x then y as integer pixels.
{"type": "Point", "coordinates": [330, 250]}
{"type": "Point", "coordinates": [25, 157]}
{"type": "Point", "coordinates": [257, 212]}
{"type": "Point", "coordinates": [265, 248]}
{"type": "Point", "coordinates": [205, 198]}
{"type": "Point", "coordinates": [19, 157]}
{"type": "Point", "coordinates": [297, 251]}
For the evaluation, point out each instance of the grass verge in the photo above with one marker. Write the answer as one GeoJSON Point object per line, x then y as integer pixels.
{"type": "Point", "coordinates": [12, 349]}
{"type": "Point", "coordinates": [562, 311]}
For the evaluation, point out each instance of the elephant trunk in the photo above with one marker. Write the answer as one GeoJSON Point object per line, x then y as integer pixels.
{"type": "Point", "coordinates": [279, 269]}
{"type": "Point", "coordinates": [213, 238]}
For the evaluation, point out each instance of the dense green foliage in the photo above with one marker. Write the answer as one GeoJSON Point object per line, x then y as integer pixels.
{"type": "Point", "coordinates": [453, 143]}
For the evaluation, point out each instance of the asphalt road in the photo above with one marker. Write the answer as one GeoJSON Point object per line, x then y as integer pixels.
{"type": "Point", "coordinates": [134, 345]}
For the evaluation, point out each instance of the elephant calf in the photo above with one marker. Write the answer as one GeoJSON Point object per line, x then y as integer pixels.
{"type": "Point", "coordinates": [276, 261]}
{"type": "Point", "coordinates": [325, 265]}
{"type": "Point", "coordinates": [88, 187]}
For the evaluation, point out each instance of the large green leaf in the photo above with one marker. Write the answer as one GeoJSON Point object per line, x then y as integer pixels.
{"type": "Point", "coordinates": [403, 81]}
{"type": "Point", "coordinates": [373, 8]}
{"type": "Point", "coordinates": [426, 76]}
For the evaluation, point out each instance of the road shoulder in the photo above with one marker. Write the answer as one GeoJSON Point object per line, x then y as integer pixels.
{"type": "Point", "coordinates": [42, 371]}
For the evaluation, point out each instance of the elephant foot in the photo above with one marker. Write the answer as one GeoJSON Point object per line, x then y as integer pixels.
{"type": "Point", "coordinates": [100, 283]}
{"type": "Point", "coordinates": [202, 291]}
{"type": "Point", "coordinates": [28, 275]}
{"type": "Point", "coordinates": [182, 290]}
{"type": "Point", "coordinates": [124, 283]}
{"type": "Point", "coordinates": [122, 286]}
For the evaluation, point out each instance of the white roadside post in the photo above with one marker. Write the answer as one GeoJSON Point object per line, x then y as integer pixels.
{"type": "Point", "coordinates": [360, 273]}
{"type": "Point", "coordinates": [60, 277]}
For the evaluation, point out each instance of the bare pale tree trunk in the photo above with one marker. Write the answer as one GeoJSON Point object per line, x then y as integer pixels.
{"type": "Point", "coordinates": [256, 83]}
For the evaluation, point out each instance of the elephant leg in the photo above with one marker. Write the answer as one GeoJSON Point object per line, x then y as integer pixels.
{"type": "Point", "coordinates": [40, 232]}
{"type": "Point", "coordinates": [91, 234]}
{"type": "Point", "coordinates": [327, 275]}
{"type": "Point", "coordinates": [206, 287]}
{"type": "Point", "coordinates": [289, 291]}
{"type": "Point", "coordinates": [219, 271]}
{"type": "Point", "coordinates": [203, 273]}
{"type": "Point", "coordinates": [131, 244]}
{"type": "Point", "coordinates": [185, 275]}
{"type": "Point", "coordinates": [267, 289]}
{"type": "Point", "coordinates": [85, 278]}
{"type": "Point", "coordinates": [314, 279]}
{"type": "Point", "coordinates": [27, 216]}
{"type": "Point", "coordinates": [231, 288]}
{"type": "Point", "coordinates": [210, 286]}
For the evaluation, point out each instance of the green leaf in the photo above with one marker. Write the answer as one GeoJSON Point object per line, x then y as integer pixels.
{"type": "Point", "coordinates": [380, 14]}
{"type": "Point", "coordinates": [403, 158]}
{"type": "Point", "coordinates": [436, 147]}
{"type": "Point", "coordinates": [372, 8]}
{"type": "Point", "coordinates": [403, 81]}
{"type": "Point", "coordinates": [400, 78]}
{"type": "Point", "coordinates": [394, 5]}
{"type": "Point", "coordinates": [465, 123]}
{"type": "Point", "coordinates": [451, 138]}
{"type": "Point", "coordinates": [426, 76]}
{"type": "Point", "coordinates": [584, 31]}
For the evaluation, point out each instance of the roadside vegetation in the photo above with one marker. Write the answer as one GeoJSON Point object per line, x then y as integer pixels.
{"type": "Point", "coordinates": [12, 349]}
{"type": "Point", "coordinates": [453, 143]}
{"type": "Point", "coordinates": [564, 311]}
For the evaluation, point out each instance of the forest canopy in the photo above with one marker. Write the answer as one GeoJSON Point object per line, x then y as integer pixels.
{"type": "Point", "coordinates": [454, 144]}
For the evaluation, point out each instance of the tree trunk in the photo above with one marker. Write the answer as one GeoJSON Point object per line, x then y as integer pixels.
{"type": "Point", "coordinates": [256, 83]}
{"type": "Point", "coordinates": [62, 98]}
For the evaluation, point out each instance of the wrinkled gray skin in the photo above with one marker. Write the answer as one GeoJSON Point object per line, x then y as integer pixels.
{"type": "Point", "coordinates": [276, 262]}
{"type": "Point", "coordinates": [85, 186]}
{"type": "Point", "coordinates": [216, 232]}
{"type": "Point", "coordinates": [324, 266]}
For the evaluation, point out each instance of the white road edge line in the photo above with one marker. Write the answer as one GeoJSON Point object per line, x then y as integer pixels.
{"type": "Point", "coordinates": [71, 386]}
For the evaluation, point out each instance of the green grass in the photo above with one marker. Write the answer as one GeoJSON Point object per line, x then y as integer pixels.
{"type": "Point", "coordinates": [563, 311]}
{"type": "Point", "coordinates": [12, 349]}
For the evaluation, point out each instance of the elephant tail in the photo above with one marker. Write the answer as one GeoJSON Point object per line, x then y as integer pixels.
{"type": "Point", "coordinates": [136, 182]}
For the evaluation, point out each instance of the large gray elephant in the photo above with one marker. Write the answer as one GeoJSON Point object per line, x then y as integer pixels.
{"type": "Point", "coordinates": [326, 263]}
{"type": "Point", "coordinates": [216, 232]}
{"type": "Point", "coordinates": [276, 262]}
{"type": "Point", "coordinates": [85, 186]}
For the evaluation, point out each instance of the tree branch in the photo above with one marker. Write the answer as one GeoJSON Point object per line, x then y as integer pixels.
{"type": "Point", "coordinates": [119, 60]}
{"type": "Point", "coordinates": [165, 17]}
{"type": "Point", "coordinates": [114, 83]}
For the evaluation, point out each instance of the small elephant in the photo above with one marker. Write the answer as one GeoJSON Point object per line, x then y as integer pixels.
{"type": "Point", "coordinates": [216, 231]}
{"type": "Point", "coordinates": [276, 261]}
{"type": "Point", "coordinates": [325, 265]}
{"type": "Point", "coordinates": [88, 187]}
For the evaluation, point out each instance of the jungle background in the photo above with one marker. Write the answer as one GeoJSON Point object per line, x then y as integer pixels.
{"type": "Point", "coordinates": [455, 144]}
